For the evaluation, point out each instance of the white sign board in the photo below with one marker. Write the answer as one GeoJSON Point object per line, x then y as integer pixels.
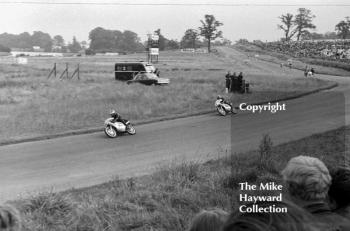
{"type": "Point", "coordinates": [22, 60]}
{"type": "Point", "coordinates": [154, 51]}
{"type": "Point", "coordinates": [155, 37]}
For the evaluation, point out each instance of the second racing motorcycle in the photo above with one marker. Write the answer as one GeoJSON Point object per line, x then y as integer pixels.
{"type": "Point", "coordinates": [224, 107]}
{"type": "Point", "coordinates": [112, 130]}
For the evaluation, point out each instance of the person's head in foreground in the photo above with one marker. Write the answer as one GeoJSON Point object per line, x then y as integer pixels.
{"type": "Point", "coordinates": [209, 220]}
{"type": "Point", "coordinates": [295, 219]}
{"type": "Point", "coordinates": [9, 218]}
{"type": "Point", "coordinates": [307, 179]}
{"type": "Point", "coordinates": [339, 191]}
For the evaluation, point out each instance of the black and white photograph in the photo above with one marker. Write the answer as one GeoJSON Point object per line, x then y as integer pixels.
{"type": "Point", "coordinates": [174, 115]}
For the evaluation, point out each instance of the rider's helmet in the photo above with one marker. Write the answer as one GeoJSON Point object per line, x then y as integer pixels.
{"type": "Point", "coordinates": [219, 97]}
{"type": "Point", "coordinates": [113, 113]}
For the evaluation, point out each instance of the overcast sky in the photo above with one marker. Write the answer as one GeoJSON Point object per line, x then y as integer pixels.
{"type": "Point", "coordinates": [250, 19]}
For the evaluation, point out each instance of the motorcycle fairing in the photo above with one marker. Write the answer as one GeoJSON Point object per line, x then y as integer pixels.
{"type": "Point", "coordinates": [118, 125]}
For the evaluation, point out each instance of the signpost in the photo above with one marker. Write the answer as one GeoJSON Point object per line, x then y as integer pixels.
{"type": "Point", "coordinates": [153, 48]}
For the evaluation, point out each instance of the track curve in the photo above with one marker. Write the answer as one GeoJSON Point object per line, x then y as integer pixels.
{"type": "Point", "coordinates": [84, 160]}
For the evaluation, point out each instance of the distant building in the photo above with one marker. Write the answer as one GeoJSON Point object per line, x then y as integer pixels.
{"type": "Point", "coordinates": [111, 53]}
{"type": "Point", "coordinates": [38, 49]}
{"type": "Point", "coordinates": [35, 54]}
{"type": "Point", "coordinates": [56, 48]}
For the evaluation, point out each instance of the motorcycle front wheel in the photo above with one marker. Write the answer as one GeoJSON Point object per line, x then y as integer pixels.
{"type": "Point", "coordinates": [131, 130]}
{"type": "Point", "coordinates": [110, 131]}
{"type": "Point", "coordinates": [221, 110]}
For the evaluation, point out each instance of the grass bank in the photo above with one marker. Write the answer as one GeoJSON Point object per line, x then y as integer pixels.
{"type": "Point", "coordinates": [168, 199]}
{"type": "Point", "coordinates": [322, 66]}
{"type": "Point", "coordinates": [327, 63]}
{"type": "Point", "coordinates": [33, 105]}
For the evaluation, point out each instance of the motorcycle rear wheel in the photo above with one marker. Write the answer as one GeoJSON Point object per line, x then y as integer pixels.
{"type": "Point", "coordinates": [110, 131]}
{"type": "Point", "coordinates": [131, 130]}
{"type": "Point", "coordinates": [221, 110]}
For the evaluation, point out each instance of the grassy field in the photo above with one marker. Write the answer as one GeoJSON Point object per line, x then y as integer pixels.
{"type": "Point", "coordinates": [169, 198]}
{"type": "Point", "coordinates": [321, 66]}
{"type": "Point", "coordinates": [32, 105]}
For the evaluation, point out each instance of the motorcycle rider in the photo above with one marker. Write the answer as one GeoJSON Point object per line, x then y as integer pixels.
{"type": "Point", "coordinates": [117, 118]}
{"type": "Point", "coordinates": [223, 100]}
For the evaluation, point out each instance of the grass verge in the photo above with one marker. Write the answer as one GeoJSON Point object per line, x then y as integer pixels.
{"type": "Point", "coordinates": [43, 107]}
{"type": "Point", "coordinates": [168, 198]}
{"type": "Point", "coordinates": [263, 100]}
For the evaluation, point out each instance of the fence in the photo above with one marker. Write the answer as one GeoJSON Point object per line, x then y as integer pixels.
{"type": "Point", "coordinates": [65, 73]}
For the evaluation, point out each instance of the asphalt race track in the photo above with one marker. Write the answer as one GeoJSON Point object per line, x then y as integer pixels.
{"type": "Point", "coordinates": [83, 160]}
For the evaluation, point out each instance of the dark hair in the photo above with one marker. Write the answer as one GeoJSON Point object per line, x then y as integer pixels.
{"type": "Point", "coordinates": [340, 187]}
{"type": "Point", "coordinates": [209, 220]}
{"type": "Point", "coordinates": [295, 219]}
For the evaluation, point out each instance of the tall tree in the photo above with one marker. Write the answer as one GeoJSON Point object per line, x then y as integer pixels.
{"type": "Point", "coordinates": [42, 40]}
{"type": "Point", "coordinates": [189, 39]}
{"type": "Point", "coordinates": [74, 46]}
{"type": "Point", "coordinates": [102, 39]}
{"type": "Point", "coordinates": [209, 29]}
{"type": "Point", "coordinates": [24, 40]}
{"type": "Point", "coordinates": [287, 26]}
{"type": "Point", "coordinates": [118, 38]}
{"type": "Point", "coordinates": [343, 28]}
{"type": "Point", "coordinates": [130, 42]}
{"type": "Point", "coordinates": [172, 45]}
{"type": "Point", "coordinates": [58, 40]}
{"type": "Point", "coordinates": [162, 40]}
{"type": "Point", "coordinates": [303, 22]}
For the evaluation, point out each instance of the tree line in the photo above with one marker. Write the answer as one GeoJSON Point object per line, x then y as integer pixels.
{"type": "Point", "coordinates": [26, 41]}
{"type": "Point", "coordinates": [113, 40]}
{"type": "Point", "coordinates": [106, 40]}
{"type": "Point", "coordinates": [300, 25]}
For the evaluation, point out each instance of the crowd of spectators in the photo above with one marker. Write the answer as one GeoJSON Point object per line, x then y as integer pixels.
{"type": "Point", "coordinates": [235, 83]}
{"type": "Point", "coordinates": [318, 201]}
{"type": "Point", "coordinates": [328, 49]}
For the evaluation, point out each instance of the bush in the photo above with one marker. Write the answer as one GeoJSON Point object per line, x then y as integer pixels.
{"type": "Point", "coordinates": [265, 148]}
{"type": "Point", "coordinates": [4, 48]}
{"type": "Point", "coordinates": [90, 52]}
{"type": "Point", "coordinates": [49, 211]}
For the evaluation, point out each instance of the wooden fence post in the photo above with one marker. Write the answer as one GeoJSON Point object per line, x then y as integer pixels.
{"type": "Point", "coordinates": [76, 71]}
{"type": "Point", "coordinates": [65, 72]}
{"type": "Point", "coordinates": [53, 71]}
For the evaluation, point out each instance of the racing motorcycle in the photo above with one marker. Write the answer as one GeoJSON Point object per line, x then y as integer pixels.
{"type": "Point", "coordinates": [224, 108]}
{"type": "Point", "coordinates": [112, 130]}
